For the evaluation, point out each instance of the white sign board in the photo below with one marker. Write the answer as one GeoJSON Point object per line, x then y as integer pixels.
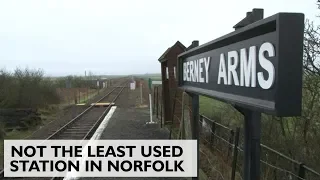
{"type": "Point", "coordinates": [100, 158]}
{"type": "Point", "coordinates": [133, 85]}
{"type": "Point", "coordinates": [157, 82]}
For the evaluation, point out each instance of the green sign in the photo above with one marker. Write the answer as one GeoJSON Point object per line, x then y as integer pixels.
{"type": "Point", "coordinates": [150, 83]}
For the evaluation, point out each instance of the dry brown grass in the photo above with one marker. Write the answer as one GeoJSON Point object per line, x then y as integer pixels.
{"type": "Point", "coordinates": [214, 165]}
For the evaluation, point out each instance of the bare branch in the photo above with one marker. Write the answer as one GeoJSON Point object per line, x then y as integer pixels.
{"type": "Point", "coordinates": [311, 49]}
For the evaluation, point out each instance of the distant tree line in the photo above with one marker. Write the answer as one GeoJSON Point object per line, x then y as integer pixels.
{"type": "Point", "coordinates": [26, 90]}
{"type": "Point", "coordinates": [29, 88]}
{"type": "Point", "coordinates": [75, 81]}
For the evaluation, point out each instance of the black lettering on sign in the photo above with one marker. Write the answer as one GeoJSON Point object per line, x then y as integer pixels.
{"type": "Point", "coordinates": [14, 166]}
{"type": "Point", "coordinates": [28, 151]}
{"type": "Point", "coordinates": [161, 151]}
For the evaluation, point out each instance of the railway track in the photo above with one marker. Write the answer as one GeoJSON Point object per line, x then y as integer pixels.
{"type": "Point", "coordinates": [83, 126]}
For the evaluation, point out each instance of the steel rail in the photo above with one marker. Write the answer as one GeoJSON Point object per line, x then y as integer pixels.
{"type": "Point", "coordinates": [77, 117]}
{"type": "Point", "coordinates": [96, 124]}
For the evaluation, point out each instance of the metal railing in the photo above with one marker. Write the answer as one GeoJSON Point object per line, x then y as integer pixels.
{"type": "Point", "coordinates": [225, 142]}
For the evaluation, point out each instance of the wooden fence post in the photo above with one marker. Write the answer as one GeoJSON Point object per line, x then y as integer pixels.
{"type": "Point", "coordinates": [230, 142]}
{"type": "Point", "coordinates": [158, 101]}
{"type": "Point", "coordinates": [173, 113]}
{"type": "Point", "coordinates": [302, 172]}
{"type": "Point", "coordinates": [235, 154]}
{"type": "Point", "coordinates": [75, 96]}
{"type": "Point", "coordinates": [154, 100]}
{"type": "Point", "coordinates": [79, 95]}
{"type": "Point", "coordinates": [161, 112]}
{"type": "Point", "coordinates": [70, 96]}
{"type": "Point", "coordinates": [213, 130]}
{"type": "Point", "coordinates": [200, 124]}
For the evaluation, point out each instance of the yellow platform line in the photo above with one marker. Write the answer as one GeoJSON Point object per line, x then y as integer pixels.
{"type": "Point", "coordinates": [81, 104]}
{"type": "Point", "coordinates": [102, 104]}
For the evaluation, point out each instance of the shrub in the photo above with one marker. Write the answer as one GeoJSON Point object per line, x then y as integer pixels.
{"type": "Point", "coordinates": [25, 88]}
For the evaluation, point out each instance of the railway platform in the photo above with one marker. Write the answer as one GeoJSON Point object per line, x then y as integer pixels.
{"type": "Point", "coordinates": [126, 119]}
{"type": "Point", "coordinates": [130, 117]}
{"type": "Point", "coordinates": [129, 121]}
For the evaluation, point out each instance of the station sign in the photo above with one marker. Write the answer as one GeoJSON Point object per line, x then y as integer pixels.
{"type": "Point", "coordinates": [156, 82]}
{"type": "Point", "coordinates": [258, 66]}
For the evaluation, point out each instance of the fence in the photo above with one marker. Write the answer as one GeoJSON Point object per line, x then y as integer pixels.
{"type": "Point", "coordinates": [76, 95]}
{"type": "Point", "coordinates": [227, 142]}
{"type": "Point", "coordinates": [222, 148]}
{"type": "Point", "coordinates": [179, 103]}
{"type": "Point", "coordinates": [157, 103]}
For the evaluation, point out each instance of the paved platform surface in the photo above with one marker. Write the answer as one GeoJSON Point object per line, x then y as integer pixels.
{"type": "Point", "coordinates": [130, 123]}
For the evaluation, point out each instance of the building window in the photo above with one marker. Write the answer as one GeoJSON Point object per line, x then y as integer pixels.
{"type": "Point", "coordinates": [174, 72]}
{"type": "Point", "coordinates": [167, 73]}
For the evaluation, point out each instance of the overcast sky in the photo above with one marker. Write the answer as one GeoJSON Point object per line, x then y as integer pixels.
{"type": "Point", "coordinates": [117, 36]}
